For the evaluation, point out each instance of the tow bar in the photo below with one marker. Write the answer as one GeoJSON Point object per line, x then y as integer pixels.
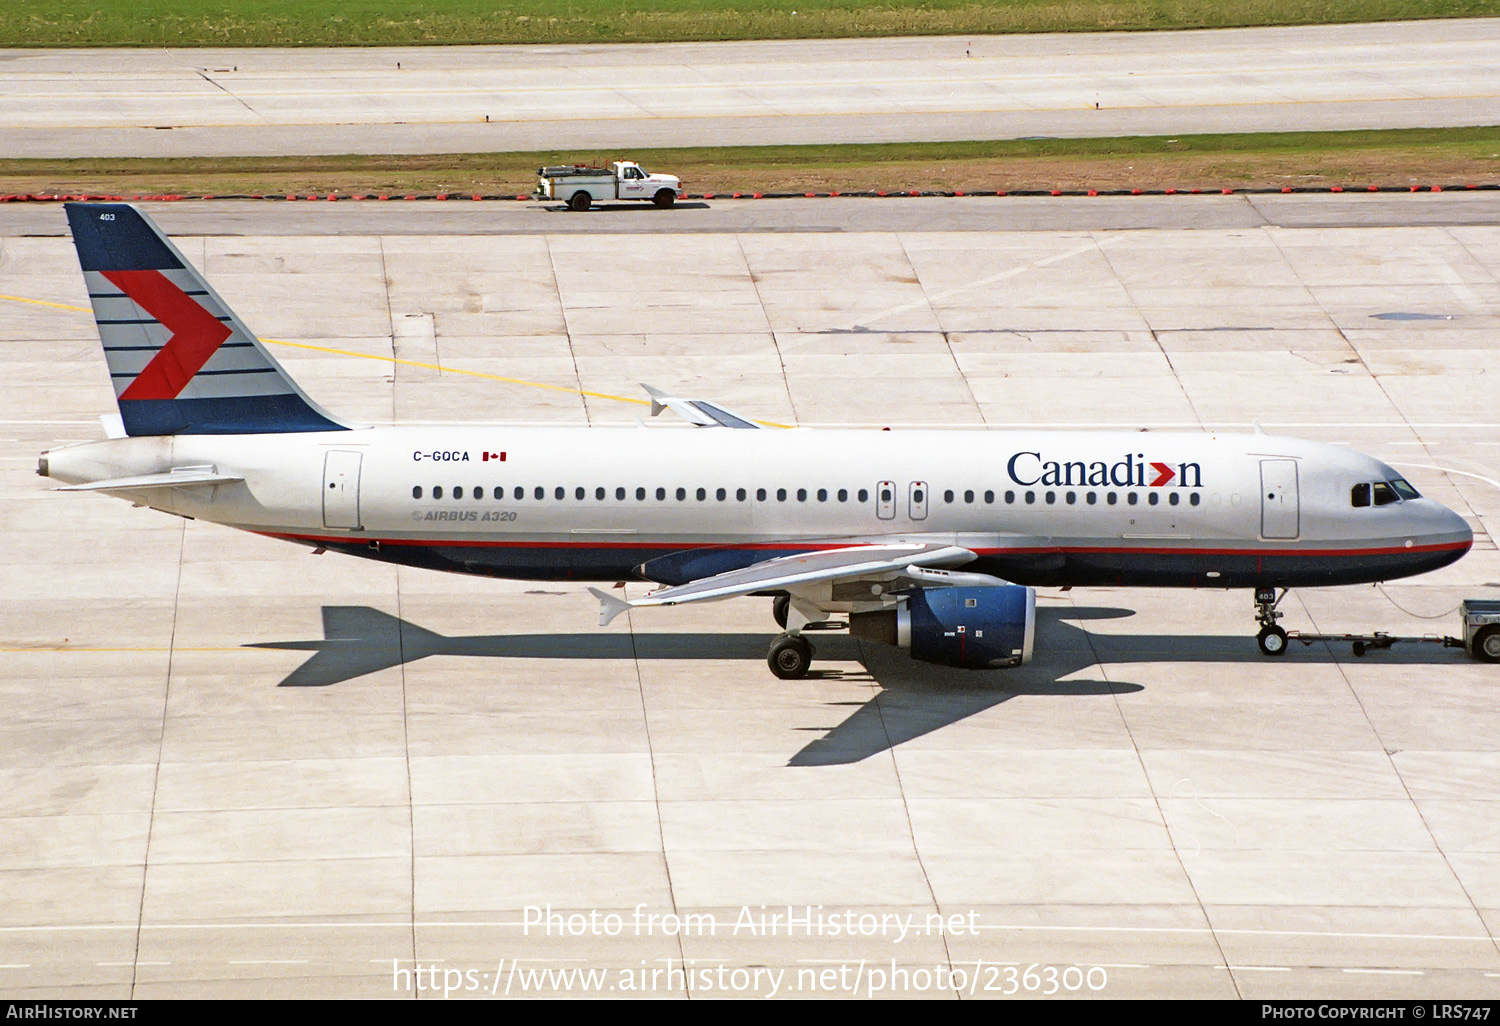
{"type": "Point", "coordinates": [1479, 618]}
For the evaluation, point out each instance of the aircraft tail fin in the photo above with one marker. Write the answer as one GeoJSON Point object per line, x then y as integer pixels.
{"type": "Point", "coordinates": [182, 363]}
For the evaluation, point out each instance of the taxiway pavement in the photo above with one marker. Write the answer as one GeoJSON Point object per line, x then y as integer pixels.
{"type": "Point", "coordinates": [1151, 798]}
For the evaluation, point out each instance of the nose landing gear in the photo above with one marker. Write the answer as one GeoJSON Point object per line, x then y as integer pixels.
{"type": "Point", "coordinates": [1272, 638]}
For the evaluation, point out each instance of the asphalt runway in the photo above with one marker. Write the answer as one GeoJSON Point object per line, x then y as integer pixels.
{"type": "Point", "coordinates": [621, 97]}
{"type": "Point", "coordinates": [230, 768]}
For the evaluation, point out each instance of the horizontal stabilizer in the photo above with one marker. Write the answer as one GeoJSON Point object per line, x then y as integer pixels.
{"type": "Point", "coordinates": [171, 479]}
{"type": "Point", "coordinates": [698, 412]}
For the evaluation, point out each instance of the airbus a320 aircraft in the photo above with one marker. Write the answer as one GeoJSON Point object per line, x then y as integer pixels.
{"type": "Point", "coordinates": [873, 525]}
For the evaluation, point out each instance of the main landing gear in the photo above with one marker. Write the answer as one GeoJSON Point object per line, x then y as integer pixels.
{"type": "Point", "coordinates": [791, 654]}
{"type": "Point", "coordinates": [1271, 639]}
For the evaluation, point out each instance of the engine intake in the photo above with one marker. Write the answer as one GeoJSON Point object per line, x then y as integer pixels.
{"type": "Point", "coordinates": [973, 628]}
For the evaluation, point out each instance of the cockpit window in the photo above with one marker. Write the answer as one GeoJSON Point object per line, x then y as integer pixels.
{"type": "Point", "coordinates": [1383, 493]}
{"type": "Point", "coordinates": [1403, 489]}
{"type": "Point", "coordinates": [1360, 495]}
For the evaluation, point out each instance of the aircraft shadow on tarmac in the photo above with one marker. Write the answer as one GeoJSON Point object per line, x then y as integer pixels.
{"type": "Point", "coordinates": [914, 698]}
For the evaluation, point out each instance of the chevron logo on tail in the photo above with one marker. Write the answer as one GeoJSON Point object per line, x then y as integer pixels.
{"type": "Point", "coordinates": [196, 334]}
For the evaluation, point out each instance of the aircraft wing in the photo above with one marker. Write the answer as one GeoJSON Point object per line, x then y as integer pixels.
{"type": "Point", "coordinates": [917, 560]}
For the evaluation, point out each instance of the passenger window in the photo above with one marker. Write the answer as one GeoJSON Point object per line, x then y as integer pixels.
{"type": "Point", "coordinates": [458, 492]}
{"type": "Point", "coordinates": [720, 494]}
{"type": "Point", "coordinates": [599, 494]}
{"type": "Point", "coordinates": [1132, 498]}
{"type": "Point", "coordinates": [620, 494]}
{"type": "Point", "coordinates": [1110, 498]}
{"type": "Point", "coordinates": [822, 494]}
{"type": "Point", "coordinates": [760, 495]}
{"type": "Point", "coordinates": [781, 495]}
{"type": "Point", "coordinates": [1030, 497]}
{"type": "Point", "coordinates": [948, 495]}
{"type": "Point", "coordinates": [559, 493]}
{"type": "Point", "coordinates": [1070, 498]}
{"type": "Point", "coordinates": [1384, 494]}
{"type": "Point", "coordinates": [661, 495]}
{"type": "Point", "coordinates": [864, 495]}
{"type": "Point", "coordinates": [1010, 497]}
{"type": "Point", "coordinates": [1153, 498]}
{"type": "Point", "coordinates": [520, 493]}
{"type": "Point", "coordinates": [479, 493]}
{"type": "Point", "coordinates": [989, 498]}
{"type": "Point", "coordinates": [968, 496]}
{"type": "Point", "coordinates": [1091, 498]}
{"type": "Point", "coordinates": [416, 492]}
{"type": "Point", "coordinates": [843, 495]}
{"type": "Point", "coordinates": [640, 495]}
{"type": "Point", "coordinates": [539, 492]}
{"type": "Point", "coordinates": [1174, 498]}
{"type": "Point", "coordinates": [801, 494]}
{"type": "Point", "coordinates": [1193, 499]}
{"type": "Point", "coordinates": [437, 491]}
{"type": "Point", "coordinates": [1359, 495]}
{"type": "Point", "coordinates": [739, 495]}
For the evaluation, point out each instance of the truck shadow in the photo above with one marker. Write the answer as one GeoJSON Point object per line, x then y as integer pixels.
{"type": "Point", "coordinates": [912, 698]}
{"type": "Point", "coordinates": [634, 206]}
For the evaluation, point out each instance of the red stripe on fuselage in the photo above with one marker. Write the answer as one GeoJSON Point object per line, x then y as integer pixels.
{"type": "Point", "coordinates": [196, 334]}
{"type": "Point", "coordinates": [1390, 550]}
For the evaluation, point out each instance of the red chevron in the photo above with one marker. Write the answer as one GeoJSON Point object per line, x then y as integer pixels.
{"type": "Point", "coordinates": [1164, 474]}
{"type": "Point", "coordinates": [196, 334]}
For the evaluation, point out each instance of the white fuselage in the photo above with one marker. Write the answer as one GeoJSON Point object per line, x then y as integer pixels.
{"type": "Point", "coordinates": [1040, 507]}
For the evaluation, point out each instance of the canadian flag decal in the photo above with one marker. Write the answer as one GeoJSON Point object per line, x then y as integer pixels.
{"type": "Point", "coordinates": [493, 456]}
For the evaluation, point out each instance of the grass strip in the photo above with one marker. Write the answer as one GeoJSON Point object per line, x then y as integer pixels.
{"type": "Point", "coordinates": [1266, 159]}
{"type": "Point", "coordinates": [48, 23]}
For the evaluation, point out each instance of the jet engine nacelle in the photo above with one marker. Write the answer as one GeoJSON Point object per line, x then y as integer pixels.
{"type": "Point", "coordinates": [973, 628]}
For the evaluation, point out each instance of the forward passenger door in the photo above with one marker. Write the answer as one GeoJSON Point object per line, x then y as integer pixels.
{"type": "Point", "coordinates": [1280, 508]}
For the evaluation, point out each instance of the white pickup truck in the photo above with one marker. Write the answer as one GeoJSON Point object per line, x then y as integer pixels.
{"type": "Point", "coordinates": [579, 186]}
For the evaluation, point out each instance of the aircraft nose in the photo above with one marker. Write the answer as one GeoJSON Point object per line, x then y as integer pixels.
{"type": "Point", "coordinates": [1442, 526]}
{"type": "Point", "coordinates": [1458, 526]}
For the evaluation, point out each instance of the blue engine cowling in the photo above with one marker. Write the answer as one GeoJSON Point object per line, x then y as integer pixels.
{"type": "Point", "coordinates": [973, 628]}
